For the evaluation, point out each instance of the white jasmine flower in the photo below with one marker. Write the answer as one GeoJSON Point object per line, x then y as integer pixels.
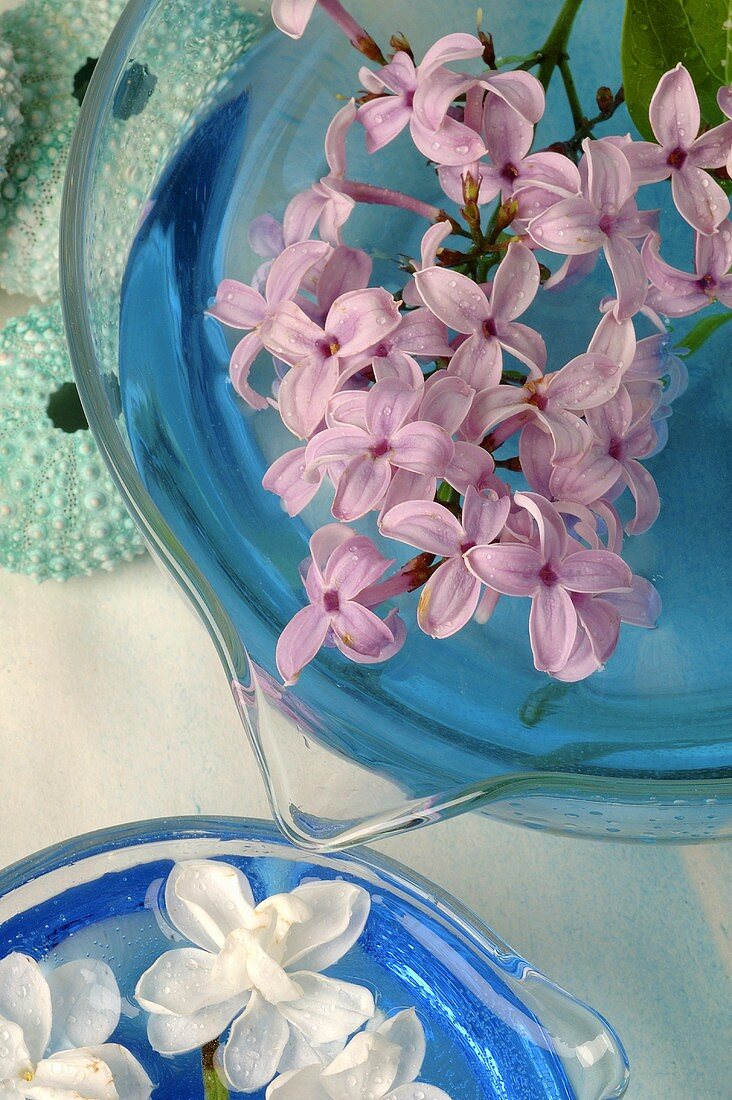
{"type": "Point", "coordinates": [72, 1012]}
{"type": "Point", "coordinates": [376, 1065]}
{"type": "Point", "coordinates": [256, 968]}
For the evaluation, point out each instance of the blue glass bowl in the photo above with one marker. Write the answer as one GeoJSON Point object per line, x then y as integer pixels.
{"type": "Point", "coordinates": [159, 194]}
{"type": "Point", "coordinates": [494, 1025]}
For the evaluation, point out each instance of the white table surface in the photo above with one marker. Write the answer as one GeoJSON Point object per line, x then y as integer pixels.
{"type": "Point", "coordinates": [109, 691]}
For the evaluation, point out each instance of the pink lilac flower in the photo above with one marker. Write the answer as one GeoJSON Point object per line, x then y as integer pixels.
{"type": "Point", "coordinates": [585, 480]}
{"type": "Point", "coordinates": [420, 98]}
{"type": "Point", "coordinates": [343, 568]}
{"type": "Point", "coordinates": [391, 439]}
{"type": "Point", "coordinates": [678, 293]}
{"type": "Point", "coordinates": [242, 307]}
{"type": "Point", "coordinates": [675, 119]}
{"type": "Point", "coordinates": [345, 269]}
{"type": "Point", "coordinates": [286, 478]}
{"type": "Point", "coordinates": [355, 321]}
{"type": "Point", "coordinates": [605, 218]}
{"type": "Point", "coordinates": [627, 434]}
{"type": "Point", "coordinates": [656, 373]}
{"type": "Point", "coordinates": [555, 400]}
{"type": "Point", "coordinates": [324, 204]}
{"type": "Point", "coordinates": [507, 137]}
{"type": "Point", "coordinates": [451, 595]}
{"type": "Point", "coordinates": [724, 99]}
{"type": "Point", "coordinates": [548, 573]}
{"type": "Point", "coordinates": [487, 320]}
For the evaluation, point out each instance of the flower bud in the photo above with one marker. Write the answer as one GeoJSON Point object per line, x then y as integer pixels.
{"type": "Point", "coordinates": [489, 53]}
{"type": "Point", "coordinates": [400, 44]}
{"type": "Point", "coordinates": [605, 100]}
{"type": "Point", "coordinates": [507, 211]}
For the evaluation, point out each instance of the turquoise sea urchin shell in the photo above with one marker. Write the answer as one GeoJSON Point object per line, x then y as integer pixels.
{"type": "Point", "coordinates": [50, 41]}
{"type": "Point", "coordinates": [10, 99]}
{"type": "Point", "coordinates": [60, 512]}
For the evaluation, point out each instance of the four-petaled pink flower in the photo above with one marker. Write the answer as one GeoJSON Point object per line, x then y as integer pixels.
{"type": "Point", "coordinates": [489, 322]}
{"type": "Point", "coordinates": [605, 218]}
{"type": "Point", "coordinates": [678, 293]}
{"type": "Point", "coordinates": [555, 400]}
{"type": "Point", "coordinates": [344, 567]}
{"type": "Point", "coordinates": [420, 99]}
{"type": "Point", "coordinates": [390, 440]}
{"type": "Point", "coordinates": [451, 595]}
{"type": "Point", "coordinates": [675, 118]}
{"type": "Point", "coordinates": [356, 321]}
{"type": "Point", "coordinates": [548, 573]}
{"type": "Point", "coordinates": [242, 307]}
{"type": "Point", "coordinates": [324, 204]}
{"type": "Point", "coordinates": [627, 434]}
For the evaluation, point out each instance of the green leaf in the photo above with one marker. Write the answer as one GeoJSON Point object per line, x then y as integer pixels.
{"type": "Point", "coordinates": [702, 331]}
{"type": "Point", "coordinates": [658, 34]}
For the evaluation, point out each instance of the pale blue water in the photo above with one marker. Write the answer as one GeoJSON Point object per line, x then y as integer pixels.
{"type": "Point", "coordinates": [483, 1044]}
{"type": "Point", "coordinates": [471, 707]}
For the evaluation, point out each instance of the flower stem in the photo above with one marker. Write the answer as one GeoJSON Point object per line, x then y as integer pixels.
{"type": "Point", "coordinates": [555, 47]}
{"type": "Point", "coordinates": [578, 115]}
{"type": "Point", "coordinates": [360, 39]}
{"type": "Point", "coordinates": [213, 1087]}
{"type": "Point", "coordinates": [383, 196]}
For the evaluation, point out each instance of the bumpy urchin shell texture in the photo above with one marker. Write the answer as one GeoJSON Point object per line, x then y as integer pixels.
{"type": "Point", "coordinates": [50, 40]}
{"type": "Point", "coordinates": [60, 512]}
{"type": "Point", "coordinates": [11, 95]}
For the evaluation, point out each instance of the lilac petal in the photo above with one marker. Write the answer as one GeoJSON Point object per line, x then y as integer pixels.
{"type": "Point", "coordinates": [453, 143]}
{"type": "Point", "coordinates": [552, 532]}
{"type": "Point", "coordinates": [301, 215]}
{"type": "Point", "coordinates": [339, 912]}
{"type": "Point", "coordinates": [300, 641]}
{"type": "Point", "coordinates": [608, 176]}
{"type": "Point", "coordinates": [446, 402]}
{"type": "Point", "coordinates": [570, 227]}
{"type": "Point", "coordinates": [508, 135]}
{"type": "Point", "coordinates": [238, 305]}
{"type": "Point", "coordinates": [713, 255]}
{"type": "Point", "coordinates": [425, 525]}
{"type": "Point", "coordinates": [484, 518]}
{"type": "Point", "coordinates": [425, 1092]}
{"type": "Point", "coordinates": [304, 394]}
{"type": "Point", "coordinates": [601, 621]}
{"type": "Point", "coordinates": [640, 606]}
{"type": "Point", "coordinates": [674, 110]}
{"type": "Point", "coordinates": [362, 318]}
{"type": "Point", "coordinates": [520, 90]}
{"type": "Point", "coordinates": [454, 298]}
{"type": "Point", "coordinates": [240, 364]}
{"type": "Point", "coordinates": [586, 381]}
{"type": "Point", "coordinates": [25, 1000]}
{"type": "Point", "coordinates": [298, 1084]}
{"type": "Point", "coordinates": [383, 119]}
{"type": "Point", "coordinates": [347, 269]}
{"type": "Point", "coordinates": [261, 1030]}
{"type": "Point", "coordinates": [648, 163]}
{"type": "Point", "coordinates": [407, 486]}
{"type": "Point", "coordinates": [516, 283]}
{"type": "Point", "coordinates": [629, 276]}
{"type": "Point", "coordinates": [645, 494]}
{"type": "Point", "coordinates": [347, 407]}
{"type": "Point", "coordinates": [478, 362]}
{"type": "Point", "coordinates": [397, 366]}
{"type": "Point", "coordinates": [422, 335]}
{"type": "Point", "coordinates": [423, 448]}
{"type": "Point", "coordinates": [679, 292]}
{"type": "Point", "coordinates": [711, 150]}
{"type": "Point", "coordinates": [400, 75]}
{"type": "Point", "coordinates": [265, 236]}
{"type": "Point", "coordinates": [724, 292]}
{"type": "Point", "coordinates": [614, 339]}
{"type": "Point", "coordinates": [572, 271]}
{"type": "Point", "coordinates": [486, 606]}
{"type": "Point", "coordinates": [290, 334]}
{"type": "Point", "coordinates": [405, 1031]}
{"type": "Point", "coordinates": [336, 211]}
{"type": "Point", "coordinates": [554, 170]}
{"type": "Point", "coordinates": [698, 198]}
{"type": "Point", "coordinates": [389, 405]}
{"type": "Point", "coordinates": [471, 465]}
{"type": "Point", "coordinates": [85, 1001]}
{"type": "Point", "coordinates": [324, 542]}
{"type": "Point", "coordinates": [552, 627]}
{"type": "Point", "coordinates": [291, 267]}
{"type": "Point", "coordinates": [292, 16]}
{"type": "Point", "coordinates": [436, 93]}
{"type": "Point", "coordinates": [509, 568]}
{"type": "Point", "coordinates": [359, 630]}
{"type": "Point", "coordinates": [491, 407]}
{"type": "Point", "coordinates": [355, 565]}
{"type": "Point", "coordinates": [536, 448]}
{"type": "Point", "coordinates": [183, 982]}
{"type": "Point", "coordinates": [594, 571]}
{"type": "Point", "coordinates": [612, 419]}
{"type": "Point", "coordinates": [335, 138]}
{"type": "Point", "coordinates": [339, 444]}
{"type": "Point", "coordinates": [523, 343]}
{"type": "Point", "coordinates": [448, 600]}
{"type": "Point", "coordinates": [453, 47]}
{"type": "Point", "coordinates": [572, 437]}
{"type": "Point", "coordinates": [361, 486]}
{"type": "Point", "coordinates": [285, 478]}
{"type": "Point", "coordinates": [582, 661]}
{"type": "Point", "coordinates": [587, 480]}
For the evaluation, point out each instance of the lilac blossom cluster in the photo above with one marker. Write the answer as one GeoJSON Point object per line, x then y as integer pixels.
{"type": "Point", "coordinates": [400, 402]}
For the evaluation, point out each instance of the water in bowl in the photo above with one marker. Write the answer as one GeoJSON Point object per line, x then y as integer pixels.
{"type": "Point", "coordinates": [471, 709]}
